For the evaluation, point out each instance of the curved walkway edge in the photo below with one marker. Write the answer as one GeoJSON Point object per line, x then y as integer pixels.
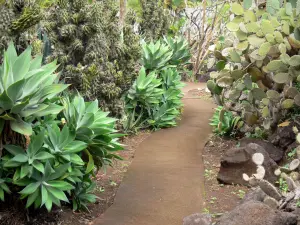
{"type": "Point", "coordinates": [165, 180]}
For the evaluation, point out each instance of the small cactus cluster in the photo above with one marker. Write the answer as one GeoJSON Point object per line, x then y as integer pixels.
{"type": "Point", "coordinates": [258, 65]}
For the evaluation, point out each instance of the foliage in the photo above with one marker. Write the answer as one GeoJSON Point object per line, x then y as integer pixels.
{"type": "Point", "coordinates": [224, 123]}
{"type": "Point", "coordinates": [93, 127]}
{"type": "Point", "coordinates": [96, 56]}
{"type": "Point", "coordinates": [258, 133]}
{"type": "Point", "coordinates": [136, 6]}
{"type": "Point", "coordinates": [173, 52]}
{"type": "Point", "coordinates": [25, 87]}
{"type": "Point", "coordinates": [155, 19]}
{"type": "Point", "coordinates": [18, 20]}
{"type": "Point", "coordinates": [152, 101]}
{"type": "Point", "coordinates": [205, 25]}
{"type": "Point", "coordinates": [258, 65]}
{"type": "Point", "coordinates": [48, 156]}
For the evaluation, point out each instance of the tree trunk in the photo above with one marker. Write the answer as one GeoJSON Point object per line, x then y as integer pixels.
{"type": "Point", "coordinates": [122, 13]}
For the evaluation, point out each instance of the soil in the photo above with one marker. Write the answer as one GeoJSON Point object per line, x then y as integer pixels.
{"type": "Point", "coordinates": [219, 198]}
{"type": "Point", "coordinates": [200, 93]}
{"type": "Point", "coordinates": [107, 182]}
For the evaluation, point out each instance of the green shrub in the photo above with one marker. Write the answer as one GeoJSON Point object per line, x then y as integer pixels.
{"type": "Point", "coordinates": [18, 23]}
{"type": "Point", "coordinates": [258, 66]}
{"type": "Point", "coordinates": [51, 144]}
{"type": "Point", "coordinates": [96, 56]}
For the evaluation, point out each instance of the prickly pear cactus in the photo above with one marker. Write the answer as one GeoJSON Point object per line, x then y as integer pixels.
{"type": "Point", "coordinates": [258, 64]}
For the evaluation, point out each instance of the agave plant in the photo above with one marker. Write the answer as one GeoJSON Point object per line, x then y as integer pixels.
{"type": "Point", "coordinates": [46, 188]}
{"type": "Point", "coordinates": [25, 86]}
{"type": "Point", "coordinates": [154, 102]}
{"type": "Point", "coordinates": [94, 127]}
{"type": "Point", "coordinates": [180, 48]}
{"type": "Point", "coordinates": [83, 195]}
{"type": "Point", "coordinates": [156, 55]}
{"type": "Point", "coordinates": [164, 116]}
{"type": "Point", "coordinates": [26, 161]}
{"type": "Point", "coordinates": [63, 145]}
{"type": "Point", "coordinates": [145, 91]}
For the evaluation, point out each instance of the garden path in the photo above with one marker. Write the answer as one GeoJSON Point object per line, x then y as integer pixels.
{"type": "Point", "coordinates": [165, 180]}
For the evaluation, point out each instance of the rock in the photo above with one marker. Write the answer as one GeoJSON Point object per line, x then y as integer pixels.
{"type": "Point", "coordinates": [283, 137]}
{"type": "Point", "coordinates": [271, 202]}
{"type": "Point", "coordinates": [256, 213]}
{"type": "Point", "coordinates": [197, 219]}
{"type": "Point", "coordinates": [237, 161]}
{"type": "Point", "coordinates": [275, 153]}
{"type": "Point", "coordinates": [254, 195]}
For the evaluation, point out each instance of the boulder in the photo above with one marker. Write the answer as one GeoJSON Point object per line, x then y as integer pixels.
{"type": "Point", "coordinates": [254, 195]}
{"type": "Point", "coordinates": [256, 213]}
{"type": "Point", "coordinates": [275, 153]}
{"type": "Point", "coordinates": [284, 136]}
{"type": "Point", "coordinates": [237, 161]}
{"type": "Point", "coordinates": [197, 219]}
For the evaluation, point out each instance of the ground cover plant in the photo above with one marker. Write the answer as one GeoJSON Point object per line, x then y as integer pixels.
{"type": "Point", "coordinates": [51, 144]}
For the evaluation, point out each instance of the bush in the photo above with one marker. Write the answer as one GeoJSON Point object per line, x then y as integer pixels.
{"type": "Point", "coordinates": [51, 144]}
{"type": "Point", "coordinates": [155, 19]}
{"type": "Point", "coordinates": [258, 66]}
{"type": "Point", "coordinates": [18, 21]}
{"type": "Point", "coordinates": [96, 57]}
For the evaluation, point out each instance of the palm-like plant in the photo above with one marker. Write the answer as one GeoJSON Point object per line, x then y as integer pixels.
{"type": "Point", "coordinates": [25, 88]}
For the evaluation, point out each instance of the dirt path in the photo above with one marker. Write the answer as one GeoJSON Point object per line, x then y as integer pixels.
{"type": "Point", "coordinates": [165, 181]}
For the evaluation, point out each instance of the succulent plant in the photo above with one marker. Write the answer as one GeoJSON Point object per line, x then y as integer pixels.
{"type": "Point", "coordinates": [224, 122]}
{"type": "Point", "coordinates": [258, 65]}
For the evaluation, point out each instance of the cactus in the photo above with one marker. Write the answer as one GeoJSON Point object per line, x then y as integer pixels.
{"type": "Point", "coordinates": [262, 59]}
{"type": "Point", "coordinates": [269, 189]}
